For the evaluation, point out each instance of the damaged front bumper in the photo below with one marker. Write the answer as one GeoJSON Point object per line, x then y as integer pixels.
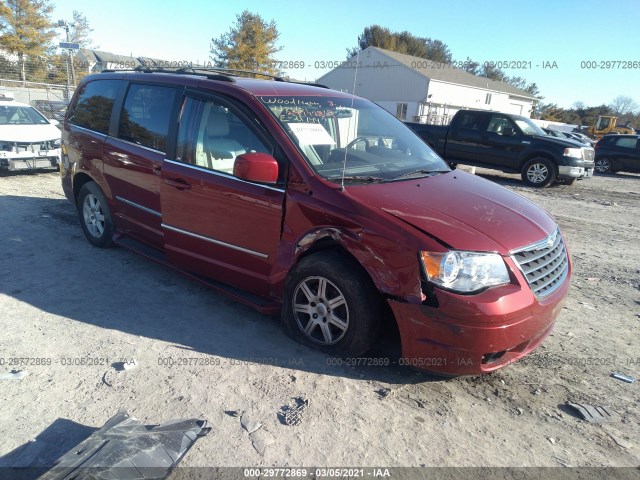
{"type": "Point", "coordinates": [29, 159]}
{"type": "Point", "coordinates": [461, 337]}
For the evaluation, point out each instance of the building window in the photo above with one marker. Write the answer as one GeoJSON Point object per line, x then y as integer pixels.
{"type": "Point", "coordinates": [401, 111]}
{"type": "Point", "coordinates": [487, 99]}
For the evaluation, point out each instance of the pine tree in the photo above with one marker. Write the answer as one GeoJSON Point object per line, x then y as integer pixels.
{"type": "Point", "coordinates": [26, 30]}
{"type": "Point", "coordinates": [249, 45]}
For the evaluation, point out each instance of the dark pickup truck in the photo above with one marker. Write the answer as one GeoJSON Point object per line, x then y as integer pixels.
{"type": "Point", "coordinates": [510, 143]}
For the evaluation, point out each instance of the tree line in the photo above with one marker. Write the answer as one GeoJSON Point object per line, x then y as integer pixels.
{"type": "Point", "coordinates": [27, 53]}
{"type": "Point", "coordinates": [251, 43]}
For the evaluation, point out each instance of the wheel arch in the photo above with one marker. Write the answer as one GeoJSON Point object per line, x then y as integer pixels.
{"type": "Point", "coordinates": [539, 154]}
{"type": "Point", "coordinates": [79, 180]}
{"type": "Point", "coordinates": [92, 174]}
{"type": "Point", "coordinates": [389, 281]}
{"type": "Point", "coordinates": [328, 241]}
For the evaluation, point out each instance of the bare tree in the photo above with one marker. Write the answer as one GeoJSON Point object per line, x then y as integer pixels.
{"type": "Point", "coordinates": [622, 105]}
{"type": "Point", "coordinates": [80, 30]}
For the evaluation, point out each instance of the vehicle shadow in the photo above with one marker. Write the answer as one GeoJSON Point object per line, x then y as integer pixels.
{"type": "Point", "coordinates": [31, 459]}
{"type": "Point", "coordinates": [32, 172]}
{"type": "Point", "coordinates": [624, 175]}
{"type": "Point", "coordinates": [47, 263]}
{"type": "Point", "coordinates": [513, 181]}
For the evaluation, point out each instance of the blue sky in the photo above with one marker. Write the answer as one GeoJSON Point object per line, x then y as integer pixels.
{"type": "Point", "coordinates": [540, 32]}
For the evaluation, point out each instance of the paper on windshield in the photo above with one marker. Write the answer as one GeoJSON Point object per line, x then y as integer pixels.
{"type": "Point", "coordinates": [311, 134]}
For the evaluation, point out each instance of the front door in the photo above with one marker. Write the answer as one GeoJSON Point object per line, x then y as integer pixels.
{"type": "Point", "coordinates": [503, 142]}
{"type": "Point", "coordinates": [214, 223]}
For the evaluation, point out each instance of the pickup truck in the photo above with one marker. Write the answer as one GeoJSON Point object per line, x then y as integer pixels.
{"type": "Point", "coordinates": [510, 143]}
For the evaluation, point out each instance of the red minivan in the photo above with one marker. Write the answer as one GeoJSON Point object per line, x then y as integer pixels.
{"type": "Point", "coordinates": [298, 199]}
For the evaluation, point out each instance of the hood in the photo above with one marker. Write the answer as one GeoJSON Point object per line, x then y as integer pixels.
{"type": "Point", "coordinates": [29, 133]}
{"type": "Point", "coordinates": [461, 210]}
{"type": "Point", "coordinates": [564, 142]}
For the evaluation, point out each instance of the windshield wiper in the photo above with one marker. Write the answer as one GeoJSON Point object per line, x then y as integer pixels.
{"type": "Point", "coordinates": [421, 172]}
{"type": "Point", "coordinates": [356, 178]}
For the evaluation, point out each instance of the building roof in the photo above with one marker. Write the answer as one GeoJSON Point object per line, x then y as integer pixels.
{"type": "Point", "coordinates": [107, 57]}
{"type": "Point", "coordinates": [446, 73]}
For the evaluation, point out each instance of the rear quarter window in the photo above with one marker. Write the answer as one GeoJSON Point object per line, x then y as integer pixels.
{"type": "Point", "coordinates": [93, 105]}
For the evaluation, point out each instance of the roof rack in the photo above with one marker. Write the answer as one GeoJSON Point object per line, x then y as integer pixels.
{"type": "Point", "coordinates": [212, 73]}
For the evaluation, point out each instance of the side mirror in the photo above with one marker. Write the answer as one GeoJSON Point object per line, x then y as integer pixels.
{"type": "Point", "coordinates": [54, 122]}
{"type": "Point", "coordinates": [256, 167]}
{"type": "Point", "coordinates": [508, 131]}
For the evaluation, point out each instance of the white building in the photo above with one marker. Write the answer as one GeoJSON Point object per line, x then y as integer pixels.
{"type": "Point", "coordinates": [416, 89]}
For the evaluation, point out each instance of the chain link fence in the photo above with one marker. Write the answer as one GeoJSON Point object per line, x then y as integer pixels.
{"type": "Point", "coordinates": [50, 99]}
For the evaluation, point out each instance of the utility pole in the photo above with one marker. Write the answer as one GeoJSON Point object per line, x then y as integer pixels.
{"type": "Point", "coordinates": [70, 47]}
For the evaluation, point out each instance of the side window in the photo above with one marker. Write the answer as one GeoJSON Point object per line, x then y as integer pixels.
{"type": "Point", "coordinates": [211, 135]}
{"type": "Point", "coordinates": [498, 123]}
{"type": "Point", "coordinates": [146, 115]}
{"type": "Point", "coordinates": [92, 108]}
{"type": "Point", "coordinates": [469, 121]}
{"type": "Point", "coordinates": [626, 142]}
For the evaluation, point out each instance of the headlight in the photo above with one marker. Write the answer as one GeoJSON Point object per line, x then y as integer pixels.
{"type": "Point", "coordinates": [464, 272]}
{"type": "Point", "coordinates": [56, 143]}
{"type": "Point", "coordinates": [573, 152]}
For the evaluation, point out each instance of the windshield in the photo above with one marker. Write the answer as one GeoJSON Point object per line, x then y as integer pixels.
{"type": "Point", "coordinates": [603, 122]}
{"type": "Point", "coordinates": [528, 127]}
{"type": "Point", "coordinates": [370, 143]}
{"type": "Point", "coordinates": [12, 115]}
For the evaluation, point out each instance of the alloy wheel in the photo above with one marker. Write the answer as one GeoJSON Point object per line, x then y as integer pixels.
{"type": "Point", "coordinates": [537, 173]}
{"type": "Point", "coordinates": [321, 310]}
{"type": "Point", "coordinates": [93, 215]}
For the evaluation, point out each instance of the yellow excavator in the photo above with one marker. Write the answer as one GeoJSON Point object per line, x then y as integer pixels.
{"type": "Point", "coordinates": [607, 124]}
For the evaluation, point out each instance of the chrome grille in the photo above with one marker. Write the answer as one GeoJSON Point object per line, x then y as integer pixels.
{"type": "Point", "coordinates": [545, 264]}
{"type": "Point", "coordinates": [589, 153]}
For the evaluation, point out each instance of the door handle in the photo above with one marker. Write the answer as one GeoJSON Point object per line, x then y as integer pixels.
{"type": "Point", "coordinates": [178, 183]}
{"type": "Point", "coordinates": [157, 170]}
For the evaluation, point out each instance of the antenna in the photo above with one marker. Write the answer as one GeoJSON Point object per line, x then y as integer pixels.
{"type": "Point", "coordinates": [353, 92]}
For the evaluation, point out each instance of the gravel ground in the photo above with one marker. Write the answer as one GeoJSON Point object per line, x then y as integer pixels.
{"type": "Point", "coordinates": [74, 310]}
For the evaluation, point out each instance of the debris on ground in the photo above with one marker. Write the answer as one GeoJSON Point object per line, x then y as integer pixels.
{"type": "Point", "coordinates": [126, 365]}
{"type": "Point", "coordinates": [124, 445]}
{"type": "Point", "coordinates": [594, 414]}
{"type": "Point", "coordinates": [14, 375]}
{"type": "Point", "coordinates": [292, 414]}
{"type": "Point", "coordinates": [622, 377]}
{"type": "Point", "coordinates": [249, 424]}
{"type": "Point", "coordinates": [260, 440]}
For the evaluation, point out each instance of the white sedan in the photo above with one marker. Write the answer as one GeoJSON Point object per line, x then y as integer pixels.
{"type": "Point", "coordinates": [28, 140]}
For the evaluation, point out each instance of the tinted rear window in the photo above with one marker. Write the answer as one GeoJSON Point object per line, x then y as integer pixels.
{"type": "Point", "coordinates": [146, 115]}
{"type": "Point", "coordinates": [93, 106]}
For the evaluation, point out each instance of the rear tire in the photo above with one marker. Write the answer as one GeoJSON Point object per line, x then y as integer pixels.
{"type": "Point", "coordinates": [539, 173]}
{"type": "Point", "coordinates": [331, 305]}
{"type": "Point", "coordinates": [95, 217]}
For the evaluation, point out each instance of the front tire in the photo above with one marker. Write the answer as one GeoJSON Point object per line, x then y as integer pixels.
{"type": "Point", "coordinates": [603, 165]}
{"type": "Point", "coordinates": [331, 305]}
{"type": "Point", "coordinates": [95, 216]}
{"type": "Point", "coordinates": [538, 172]}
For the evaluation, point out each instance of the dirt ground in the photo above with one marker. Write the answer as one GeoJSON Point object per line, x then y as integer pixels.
{"type": "Point", "coordinates": [71, 310]}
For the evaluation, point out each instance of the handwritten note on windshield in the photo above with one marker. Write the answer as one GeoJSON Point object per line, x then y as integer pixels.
{"type": "Point", "coordinates": [311, 134]}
